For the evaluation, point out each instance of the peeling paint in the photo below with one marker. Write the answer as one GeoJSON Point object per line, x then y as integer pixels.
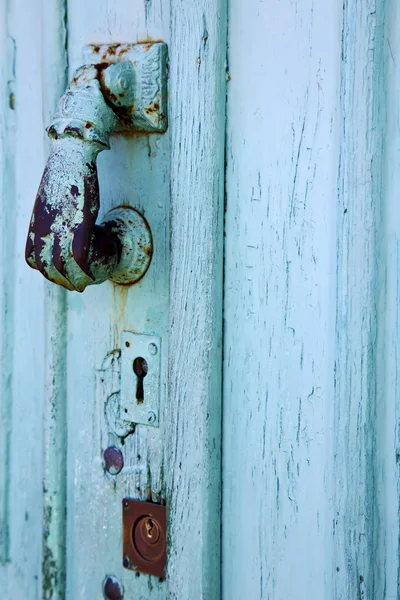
{"type": "Point", "coordinates": [64, 243]}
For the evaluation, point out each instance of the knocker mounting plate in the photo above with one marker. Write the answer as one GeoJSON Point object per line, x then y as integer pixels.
{"type": "Point", "coordinates": [146, 110]}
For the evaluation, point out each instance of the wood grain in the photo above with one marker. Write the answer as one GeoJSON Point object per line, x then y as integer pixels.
{"type": "Point", "coordinates": [55, 78]}
{"type": "Point", "coordinates": [135, 172]}
{"type": "Point", "coordinates": [305, 438]}
{"type": "Point", "coordinates": [387, 404]}
{"type": "Point", "coordinates": [6, 276]}
{"type": "Point", "coordinates": [357, 416]}
{"type": "Point", "coordinates": [22, 161]}
{"type": "Point", "coordinates": [177, 181]}
{"type": "Point", "coordinates": [197, 88]}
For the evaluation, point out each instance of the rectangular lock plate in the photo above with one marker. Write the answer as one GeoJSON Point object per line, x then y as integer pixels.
{"type": "Point", "coordinates": [140, 378]}
{"type": "Point", "coordinates": [144, 537]}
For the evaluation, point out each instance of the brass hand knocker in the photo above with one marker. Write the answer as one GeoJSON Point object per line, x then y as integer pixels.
{"type": "Point", "coordinates": [123, 89]}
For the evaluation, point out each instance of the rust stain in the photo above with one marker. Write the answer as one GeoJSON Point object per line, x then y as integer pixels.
{"type": "Point", "coordinates": [120, 297]}
{"type": "Point", "coordinates": [152, 108]}
{"type": "Point", "coordinates": [129, 134]}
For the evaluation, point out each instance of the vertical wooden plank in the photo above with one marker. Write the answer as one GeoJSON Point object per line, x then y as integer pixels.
{"type": "Point", "coordinates": [7, 200]}
{"type": "Point", "coordinates": [181, 458]}
{"type": "Point", "coordinates": [306, 416]}
{"type": "Point", "coordinates": [197, 92]}
{"type": "Point", "coordinates": [388, 393]}
{"type": "Point", "coordinates": [54, 68]}
{"type": "Point", "coordinates": [24, 317]}
{"type": "Point", "coordinates": [178, 462]}
{"type": "Point", "coordinates": [135, 171]}
{"type": "Point", "coordinates": [357, 553]}
{"type": "Point", "coordinates": [282, 169]}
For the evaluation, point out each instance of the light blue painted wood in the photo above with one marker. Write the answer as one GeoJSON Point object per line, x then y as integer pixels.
{"type": "Point", "coordinates": [7, 143]}
{"type": "Point", "coordinates": [53, 555]}
{"type": "Point", "coordinates": [387, 403]}
{"type": "Point", "coordinates": [135, 171]}
{"type": "Point", "coordinates": [177, 182]}
{"type": "Point", "coordinates": [23, 392]}
{"type": "Point", "coordinates": [310, 480]}
{"type": "Point", "coordinates": [356, 534]}
{"type": "Point", "coordinates": [311, 430]}
{"type": "Point", "coordinates": [193, 451]}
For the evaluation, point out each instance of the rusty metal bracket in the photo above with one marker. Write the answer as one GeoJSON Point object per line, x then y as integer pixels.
{"type": "Point", "coordinates": [146, 108]}
{"type": "Point", "coordinates": [122, 88]}
{"type": "Point", "coordinates": [144, 537]}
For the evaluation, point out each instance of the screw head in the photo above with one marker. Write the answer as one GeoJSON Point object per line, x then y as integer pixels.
{"type": "Point", "coordinates": [151, 416]}
{"type": "Point", "coordinates": [113, 460]}
{"type": "Point", "coordinates": [125, 503]}
{"type": "Point", "coordinates": [126, 562]}
{"type": "Point", "coordinates": [123, 82]}
{"type": "Point", "coordinates": [153, 349]}
{"type": "Point", "coordinates": [112, 589]}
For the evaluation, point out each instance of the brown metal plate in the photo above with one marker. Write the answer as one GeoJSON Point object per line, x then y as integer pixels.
{"type": "Point", "coordinates": [144, 537]}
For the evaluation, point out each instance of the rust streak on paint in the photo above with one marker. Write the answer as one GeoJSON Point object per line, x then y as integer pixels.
{"type": "Point", "coordinates": [120, 297]}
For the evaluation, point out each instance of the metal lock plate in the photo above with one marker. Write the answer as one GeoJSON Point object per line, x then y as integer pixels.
{"type": "Point", "coordinates": [149, 108]}
{"type": "Point", "coordinates": [140, 378]}
{"type": "Point", "coordinates": [144, 537]}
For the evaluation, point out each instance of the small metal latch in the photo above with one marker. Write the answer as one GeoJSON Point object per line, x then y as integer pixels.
{"type": "Point", "coordinates": [140, 378]}
{"type": "Point", "coordinates": [144, 537]}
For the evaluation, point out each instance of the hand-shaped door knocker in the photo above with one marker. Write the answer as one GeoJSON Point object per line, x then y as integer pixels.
{"type": "Point", "coordinates": [124, 87]}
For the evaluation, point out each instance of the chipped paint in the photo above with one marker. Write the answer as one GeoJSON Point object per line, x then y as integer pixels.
{"type": "Point", "coordinates": [64, 243]}
{"type": "Point", "coordinates": [147, 65]}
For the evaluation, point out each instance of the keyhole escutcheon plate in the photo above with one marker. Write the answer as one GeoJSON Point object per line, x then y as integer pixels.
{"type": "Point", "coordinates": [144, 538]}
{"type": "Point", "coordinates": [140, 378]}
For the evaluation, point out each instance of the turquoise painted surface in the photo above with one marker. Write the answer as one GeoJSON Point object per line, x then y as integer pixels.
{"type": "Point", "coordinates": [63, 412]}
{"type": "Point", "coordinates": [311, 295]}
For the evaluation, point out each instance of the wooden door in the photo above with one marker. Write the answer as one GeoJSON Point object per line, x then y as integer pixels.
{"type": "Point", "coordinates": [60, 516]}
{"type": "Point", "coordinates": [300, 99]}
{"type": "Point", "coordinates": [311, 422]}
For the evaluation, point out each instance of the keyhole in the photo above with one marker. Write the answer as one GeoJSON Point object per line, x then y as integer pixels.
{"type": "Point", "coordinates": [140, 369]}
{"type": "Point", "coordinates": [149, 527]}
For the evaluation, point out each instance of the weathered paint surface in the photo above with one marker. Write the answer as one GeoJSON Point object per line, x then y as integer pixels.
{"type": "Point", "coordinates": [310, 473]}
{"type": "Point", "coordinates": [21, 316]}
{"type": "Point", "coordinates": [52, 552]}
{"type": "Point", "coordinates": [71, 357]}
{"type": "Point", "coordinates": [7, 127]}
{"type": "Point", "coordinates": [311, 435]}
{"type": "Point", "coordinates": [64, 243]}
